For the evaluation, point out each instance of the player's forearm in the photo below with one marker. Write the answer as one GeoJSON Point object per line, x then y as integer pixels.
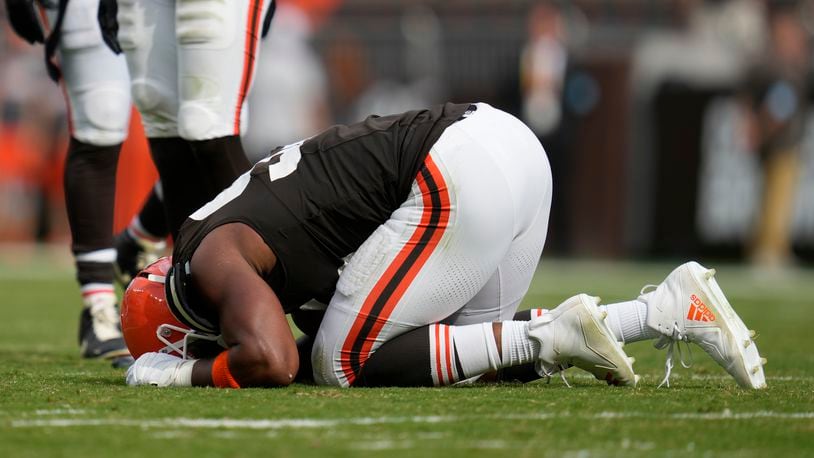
{"type": "Point", "coordinates": [202, 373]}
{"type": "Point", "coordinates": [243, 366]}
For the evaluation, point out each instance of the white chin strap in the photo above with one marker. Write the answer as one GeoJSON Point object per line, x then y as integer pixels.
{"type": "Point", "coordinates": [180, 346]}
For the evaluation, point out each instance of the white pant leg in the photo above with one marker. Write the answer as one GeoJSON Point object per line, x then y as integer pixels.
{"type": "Point", "coordinates": [147, 36]}
{"type": "Point", "coordinates": [218, 43]}
{"type": "Point", "coordinates": [380, 295]}
{"type": "Point", "coordinates": [499, 299]}
{"type": "Point", "coordinates": [96, 79]}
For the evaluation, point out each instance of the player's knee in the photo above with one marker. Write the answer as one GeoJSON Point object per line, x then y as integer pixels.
{"type": "Point", "coordinates": [157, 106]}
{"type": "Point", "coordinates": [324, 358]}
{"type": "Point", "coordinates": [197, 120]}
{"type": "Point", "coordinates": [102, 114]}
{"type": "Point", "coordinates": [147, 96]}
{"type": "Point", "coordinates": [205, 23]}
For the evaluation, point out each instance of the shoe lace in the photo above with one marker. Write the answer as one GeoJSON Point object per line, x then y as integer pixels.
{"type": "Point", "coordinates": [647, 288]}
{"type": "Point", "coordinates": [106, 321]}
{"type": "Point", "coordinates": [675, 342]}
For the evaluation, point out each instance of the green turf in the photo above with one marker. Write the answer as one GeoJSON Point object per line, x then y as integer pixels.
{"type": "Point", "coordinates": [44, 386]}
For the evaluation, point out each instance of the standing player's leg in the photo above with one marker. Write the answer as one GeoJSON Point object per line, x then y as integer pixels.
{"type": "Point", "coordinates": [218, 46]}
{"type": "Point", "coordinates": [147, 37]}
{"type": "Point", "coordinates": [189, 78]}
{"type": "Point", "coordinates": [96, 84]}
{"type": "Point", "coordinates": [484, 185]}
{"type": "Point", "coordinates": [143, 241]}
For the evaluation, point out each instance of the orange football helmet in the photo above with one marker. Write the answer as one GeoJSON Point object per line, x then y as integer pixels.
{"type": "Point", "coordinates": [148, 324]}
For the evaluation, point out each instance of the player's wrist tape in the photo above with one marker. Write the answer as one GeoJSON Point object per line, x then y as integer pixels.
{"type": "Point", "coordinates": [221, 375]}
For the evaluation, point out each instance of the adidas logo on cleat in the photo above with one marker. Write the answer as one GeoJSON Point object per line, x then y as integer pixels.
{"type": "Point", "coordinates": [699, 310]}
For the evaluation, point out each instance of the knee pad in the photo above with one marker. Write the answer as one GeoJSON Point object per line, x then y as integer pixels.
{"type": "Point", "coordinates": [80, 27]}
{"type": "Point", "coordinates": [206, 23]}
{"type": "Point", "coordinates": [197, 120]}
{"type": "Point", "coordinates": [101, 114]}
{"type": "Point", "coordinates": [157, 106]}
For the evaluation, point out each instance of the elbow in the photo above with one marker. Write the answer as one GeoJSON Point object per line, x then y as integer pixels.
{"type": "Point", "coordinates": [269, 367]}
{"type": "Point", "coordinates": [279, 371]}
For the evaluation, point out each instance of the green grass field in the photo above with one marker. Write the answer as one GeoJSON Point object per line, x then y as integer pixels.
{"type": "Point", "coordinates": [54, 404]}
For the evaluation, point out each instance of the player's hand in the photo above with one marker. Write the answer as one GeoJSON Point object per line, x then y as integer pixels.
{"type": "Point", "coordinates": [160, 369]}
{"type": "Point", "coordinates": [109, 24]}
{"type": "Point", "coordinates": [23, 18]}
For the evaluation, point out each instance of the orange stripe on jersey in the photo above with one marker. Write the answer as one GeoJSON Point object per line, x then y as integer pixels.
{"type": "Point", "coordinates": [250, 46]}
{"type": "Point", "coordinates": [398, 276]}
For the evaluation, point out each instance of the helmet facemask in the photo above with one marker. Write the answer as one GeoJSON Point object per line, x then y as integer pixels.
{"type": "Point", "coordinates": [193, 344]}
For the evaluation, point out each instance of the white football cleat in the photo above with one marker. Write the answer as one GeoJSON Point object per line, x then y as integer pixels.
{"type": "Point", "coordinates": [689, 306]}
{"type": "Point", "coordinates": [575, 334]}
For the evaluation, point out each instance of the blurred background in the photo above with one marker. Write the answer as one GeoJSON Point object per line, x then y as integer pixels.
{"type": "Point", "coordinates": [676, 129]}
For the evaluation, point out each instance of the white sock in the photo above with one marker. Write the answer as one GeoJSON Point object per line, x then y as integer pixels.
{"type": "Point", "coordinates": [476, 349]}
{"type": "Point", "coordinates": [98, 294]}
{"type": "Point", "coordinates": [140, 234]}
{"type": "Point", "coordinates": [515, 343]}
{"type": "Point", "coordinates": [474, 345]}
{"type": "Point", "coordinates": [628, 322]}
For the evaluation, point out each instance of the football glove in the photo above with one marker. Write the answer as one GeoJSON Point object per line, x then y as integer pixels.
{"type": "Point", "coordinates": [160, 369]}
{"type": "Point", "coordinates": [109, 24]}
{"type": "Point", "coordinates": [23, 18]}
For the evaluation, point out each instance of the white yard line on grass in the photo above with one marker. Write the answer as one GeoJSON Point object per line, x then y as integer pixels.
{"type": "Point", "coordinates": [311, 423]}
{"type": "Point", "coordinates": [59, 412]}
{"type": "Point", "coordinates": [674, 376]}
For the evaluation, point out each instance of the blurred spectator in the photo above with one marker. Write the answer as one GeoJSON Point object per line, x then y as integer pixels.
{"type": "Point", "coordinates": [32, 140]}
{"type": "Point", "coordinates": [358, 91]}
{"type": "Point", "coordinates": [776, 107]}
{"type": "Point", "coordinates": [543, 65]}
{"type": "Point", "coordinates": [289, 98]}
{"type": "Point", "coordinates": [710, 50]}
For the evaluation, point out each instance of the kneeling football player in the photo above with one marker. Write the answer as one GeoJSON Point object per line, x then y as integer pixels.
{"type": "Point", "coordinates": [421, 232]}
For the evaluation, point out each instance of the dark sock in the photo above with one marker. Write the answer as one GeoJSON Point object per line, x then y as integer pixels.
{"type": "Point", "coordinates": [90, 188]}
{"type": "Point", "coordinates": [152, 216]}
{"type": "Point", "coordinates": [222, 160]}
{"type": "Point", "coordinates": [402, 361]}
{"type": "Point", "coordinates": [180, 179]}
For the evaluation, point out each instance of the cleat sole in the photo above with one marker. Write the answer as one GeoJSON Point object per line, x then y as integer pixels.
{"type": "Point", "coordinates": [618, 356]}
{"type": "Point", "coordinates": [748, 356]}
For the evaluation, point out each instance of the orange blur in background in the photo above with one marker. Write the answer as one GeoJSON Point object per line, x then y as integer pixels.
{"type": "Point", "coordinates": [135, 177]}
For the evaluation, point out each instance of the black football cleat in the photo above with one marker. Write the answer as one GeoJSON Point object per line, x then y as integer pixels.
{"type": "Point", "coordinates": [100, 335]}
{"type": "Point", "coordinates": [132, 256]}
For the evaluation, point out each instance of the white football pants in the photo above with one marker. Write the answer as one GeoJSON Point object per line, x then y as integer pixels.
{"type": "Point", "coordinates": [461, 249]}
{"type": "Point", "coordinates": [191, 63]}
{"type": "Point", "coordinates": [95, 80]}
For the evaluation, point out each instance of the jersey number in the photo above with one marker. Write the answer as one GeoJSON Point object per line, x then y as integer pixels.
{"type": "Point", "coordinates": [280, 165]}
